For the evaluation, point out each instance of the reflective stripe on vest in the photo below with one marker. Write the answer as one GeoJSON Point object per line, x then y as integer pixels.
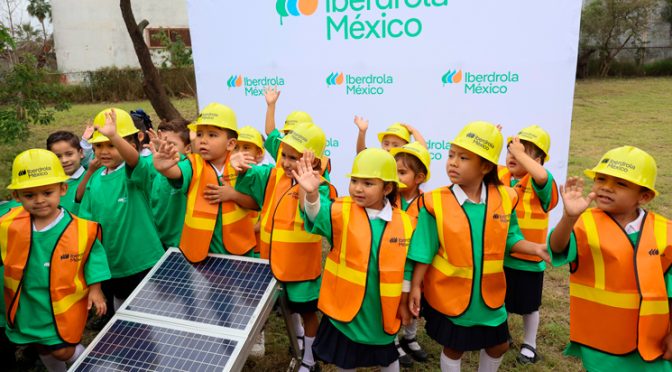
{"type": "Point", "coordinates": [344, 279]}
{"type": "Point", "coordinates": [532, 218]}
{"type": "Point", "coordinates": [452, 270]}
{"type": "Point", "coordinates": [295, 255]}
{"type": "Point", "coordinates": [618, 299]}
{"type": "Point", "coordinates": [201, 217]}
{"type": "Point", "coordinates": [68, 289]}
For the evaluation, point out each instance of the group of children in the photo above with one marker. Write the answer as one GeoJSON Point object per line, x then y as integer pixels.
{"type": "Point", "coordinates": [463, 256]}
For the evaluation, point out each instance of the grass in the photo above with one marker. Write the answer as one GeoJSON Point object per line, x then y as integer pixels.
{"type": "Point", "coordinates": [607, 114]}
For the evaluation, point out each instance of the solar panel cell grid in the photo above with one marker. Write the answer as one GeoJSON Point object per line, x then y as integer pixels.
{"type": "Point", "coordinates": [220, 292]}
{"type": "Point", "coordinates": [131, 346]}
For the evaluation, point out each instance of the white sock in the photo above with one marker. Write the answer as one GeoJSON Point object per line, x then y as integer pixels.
{"type": "Point", "coordinates": [486, 363]}
{"type": "Point", "coordinates": [308, 358]}
{"type": "Point", "coordinates": [450, 365]}
{"type": "Point", "coordinates": [117, 303]}
{"type": "Point", "coordinates": [393, 367]}
{"type": "Point", "coordinates": [531, 326]}
{"type": "Point", "coordinates": [411, 330]}
{"type": "Point", "coordinates": [298, 328]}
{"type": "Point", "coordinates": [79, 349]}
{"type": "Point", "coordinates": [53, 364]}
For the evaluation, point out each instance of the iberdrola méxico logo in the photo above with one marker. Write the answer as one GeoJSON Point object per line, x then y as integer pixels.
{"type": "Point", "coordinates": [235, 81]}
{"type": "Point", "coordinates": [295, 8]}
{"type": "Point", "coordinates": [494, 82]}
{"type": "Point", "coordinates": [254, 85]}
{"type": "Point", "coordinates": [452, 77]}
{"type": "Point", "coordinates": [361, 84]}
{"type": "Point", "coordinates": [335, 78]}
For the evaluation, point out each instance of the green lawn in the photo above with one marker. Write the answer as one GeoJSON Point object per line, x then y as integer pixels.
{"type": "Point", "coordinates": [607, 114]}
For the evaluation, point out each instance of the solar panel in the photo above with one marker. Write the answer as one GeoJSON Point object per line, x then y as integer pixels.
{"type": "Point", "coordinates": [130, 345]}
{"type": "Point", "coordinates": [187, 317]}
{"type": "Point", "coordinates": [219, 291]}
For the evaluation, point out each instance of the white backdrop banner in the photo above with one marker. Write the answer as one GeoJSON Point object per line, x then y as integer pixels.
{"type": "Point", "coordinates": [435, 64]}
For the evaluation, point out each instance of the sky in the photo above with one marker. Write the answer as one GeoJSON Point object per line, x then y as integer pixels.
{"type": "Point", "coordinates": [20, 15]}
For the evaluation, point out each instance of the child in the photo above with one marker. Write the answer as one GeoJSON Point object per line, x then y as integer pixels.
{"type": "Point", "coordinates": [168, 204]}
{"type": "Point", "coordinates": [53, 263]}
{"type": "Point", "coordinates": [295, 255]}
{"type": "Point", "coordinates": [620, 258]}
{"type": "Point", "coordinates": [537, 196]}
{"type": "Point", "coordinates": [67, 148]}
{"type": "Point", "coordinates": [396, 135]}
{"type": "Point", "coordinates": [362, 294]}
{"type": "Point", "coordinates": [464, 231]}
{"type": "Point", "coordinates": [413, 168]}
{"type": "Point", "coordinates": [115, 197]}
{"type": "Point", "coordinates": [212, 223]}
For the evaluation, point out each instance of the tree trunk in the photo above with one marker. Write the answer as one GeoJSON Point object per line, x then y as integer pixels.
{"type": "Point", "coordinates": [151, 84]}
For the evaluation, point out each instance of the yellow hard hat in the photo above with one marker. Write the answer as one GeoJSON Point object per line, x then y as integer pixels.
{"type": "Point", "coordinates": [36, 167]}
{"type": "Point", "coordinates": [296, 117]}
{"type": "Point", "coordinates": [306, 136]}
{"type": "Point", "coordinates": [536, 135]}
{"type": "Point", "coordinates": [251, 135]}
{"type": "Point", "coordinates": [125, 126]}
{"type": "Point", "coordinates": [628, 163]}
{"type": "Point", "coordinates": [481, 138]}
{"type": "Point", "coordinates": [417, 150]}
{"type": "Point", "coordinates": [375, 163]}
{"type": "Point", "coordinates": [217, 115]}
{"type": "Point", "coordinates": [396, 129]}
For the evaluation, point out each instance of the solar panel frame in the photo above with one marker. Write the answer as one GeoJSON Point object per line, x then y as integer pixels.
{"type": "Point", "coordinates": [270, 292]}
{"type": "Point", "coordinates": [84, 360]}
{"type": "Point", "coordinates": [244, 337]}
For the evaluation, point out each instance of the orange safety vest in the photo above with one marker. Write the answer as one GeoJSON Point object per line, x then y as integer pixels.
{"type": "Point", "coordinates": [68, 289]}
{"type": "Point", "coordinates": [344, 279]}
{"type": "Point", "coordinates": [618, 300]}
{"type": "Point", "coordinates": [449, 279]}
{"type": "Point", "coordinates": [532, 217]}
{"type": "Point", "coordinates": [414, 205]}
{"type": "Point", "coordinates": [295, 255]}
{"type": "Point", "coordinates": [201, 217]}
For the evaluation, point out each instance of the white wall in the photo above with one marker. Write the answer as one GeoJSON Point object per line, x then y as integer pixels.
{"type": "Point", "coordinates": [91, 34]}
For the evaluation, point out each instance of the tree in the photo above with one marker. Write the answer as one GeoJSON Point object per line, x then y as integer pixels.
{"type": "Point", "coordinates": [608, 26]}
{"type": "Point", "coordinates": [41, 10]}
{"type": "Point", "coordinates": [667, 13]}
{"type": "Point", "coordinates": [152, 83]}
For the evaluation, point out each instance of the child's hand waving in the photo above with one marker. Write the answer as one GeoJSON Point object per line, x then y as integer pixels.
{"type": "Point", "coordinates": [572, 197]}
{"type": "Point", "coordinates": [109, 130]}
{"type": "Point", "coordinates": [361, 123]}
{"type": "Point", "coordinates": [307, 178]}
{"type": "Point", "coordinates": [240, 161]}
{"type": "Point", "coordinates": [165, 156]}
{"type": "Point", "coordinates": [88, 131]}
{"type": "Point", "coordinates": [271, 94]}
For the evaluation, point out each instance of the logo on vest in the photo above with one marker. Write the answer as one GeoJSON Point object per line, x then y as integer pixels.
{"type": "Point", "coordinates": [654, 252]}
{"type": "Point", "coordinates": [401, 241]}
{"type": "Point", "coordinates": [505, 218]}
{"type": "Point", "coordinates": [72, 257]}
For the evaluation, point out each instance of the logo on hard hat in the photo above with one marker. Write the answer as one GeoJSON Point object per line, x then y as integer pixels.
{"type": "Point", "coordinates": [235, 81]}
{"type": "Point", "coordinates": [335, 78]}
{"type": "Point", "coordinates": [38, 172]}
{"type": "Point", "coordinates": [22, 172]}
{"type": "Point", "coordinates": [452, 77]}
{"type": "Point", "coordinates": [286, 8]}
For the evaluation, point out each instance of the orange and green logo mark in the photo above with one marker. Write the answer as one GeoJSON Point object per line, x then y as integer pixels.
{"type": "Point", "coordinates": [335, 78]}
{"type": "Point", "coordinates": [452, 77]}
{"type": "Point", "coordinates": [286, 8]}
{"type": "Point", "coordinates": [235, 81]}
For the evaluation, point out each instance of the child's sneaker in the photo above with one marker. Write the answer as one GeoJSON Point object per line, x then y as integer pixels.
{"type": "Point", "coordinates": [259, 347]}
{"type": "Point", "coordinates": [405, 360]}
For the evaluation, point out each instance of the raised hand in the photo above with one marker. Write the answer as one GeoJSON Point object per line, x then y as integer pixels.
{"type": "Point", "coordinates": [572, 197]}
{"type": "Point", "coordinates": [109, 130]}
{"type": "Point", "coordinates": [361, 123]}
{"type": "Point", "coordinates": [88, 131]}
{"type": "Point", "coordinates": [240, 161]}
{"type": "Point", "coordinates": [165, 156]}
{"type": "Point", "coordinates": [516, 147]}
{"type": "Point", "coordinates": [271, 94]}
{"type": "Point", "coordinates": [307, 178]}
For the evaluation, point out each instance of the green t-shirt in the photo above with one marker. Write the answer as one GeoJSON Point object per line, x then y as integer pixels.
{"type": "Point", "coordinates": [119, 203]}
{"type": "Point", "coordinates": [545, 194]}
{"type": "Point", "coordinates": [68, 200]}
{"type": "Point", "coordinates": [34, 317]}
{"type": "Point", "coordinates": [272, 143]}
{"type": "Point", "coordinates": [595, 360]}
{"type": "Point", "coordinates": [253, 183]}
{"type": "Point", "coordinates": [168, 208]}
{"type": "Point", "coordinates": [425, 245]}
{"type": "Point", "coordinates": [367, 326]}
{"type": "Point", "coordinates": [216, 244]}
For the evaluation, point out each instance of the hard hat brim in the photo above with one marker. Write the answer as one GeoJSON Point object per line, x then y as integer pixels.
{"type": "Point", "coordinates": [591, 173]}
{"type": "Point", "coordinates": [37, 183]}
{"type": "Point", "coordinates": [194, 126]}
{"type": "Point", "coordinates": [381, 135]}
{"type": "Point", "coordinates": [360, 175]}
{"type": "Point", "coordinates": [398, 150]}
{"type": "Point", "coordinates": [547, 158]}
